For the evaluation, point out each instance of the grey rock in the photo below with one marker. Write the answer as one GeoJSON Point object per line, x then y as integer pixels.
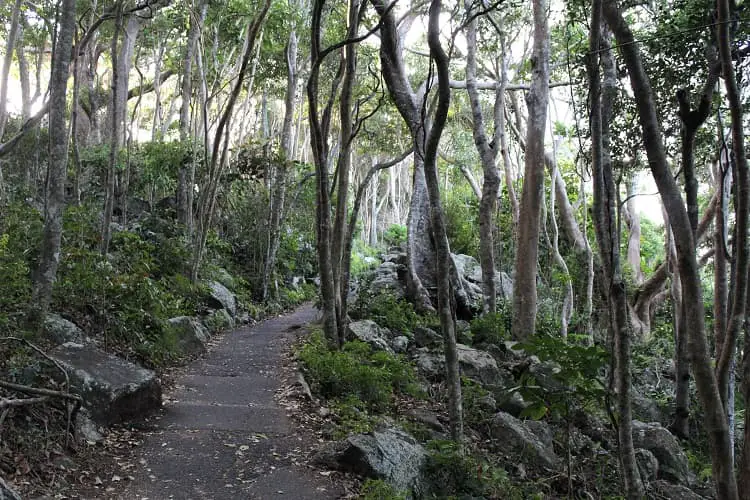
{"type": "Point", "coordinates": [389, 454]}
{"type": "Point", "coordinates": [386, 280]}
{"type": "Point", "coordinates": [545, 375]}
{"type": "Point", "coordinates": [217, 321]}
{"type": "Point", "coordinates": [673, 464]}
{"type": "Point", "coordinates": [192, 337]}
{"type": "Point", "coordinates": [426, 337]}
{"type": "Point", "coordinates": [6, 492]}
{"type": "Point", "coordinates": [515, 437]}
{"type": "Point", "coordinates": [222, 298]}
{"type": "Point", "coordinates": [648, 465]}
{"type": "Point", "coordinates": [427, 418]}
{"type": "Point", "coordinates": [371, 333]}
{"type": "Point", "coordinates": [113, 390]}
{"type": "Point", "coordinates": [396, 255]}
{"type": "Point", "coordinates": [59, 330]}
{"type": "Point", "coordinates": [669, 491]}
{"type": "Point", "coordinates": [503, 286]}
{"type": "Point", "coordinates": [475, 364]}
{"type": "Point", "coordinates": [86, 429]}
{"type": "Point", "coordinates": [468, 267]}
{"type": "Point", "coordinates": [222, 276]}
{"type": "Point", "coordinates": [512, 403]}
{"type": "Point", "coordinates": [645, 409]}
{"type": "Point", "coordinates": [542, 431]}
{"type": "Point", "coordinates": [400, 344]}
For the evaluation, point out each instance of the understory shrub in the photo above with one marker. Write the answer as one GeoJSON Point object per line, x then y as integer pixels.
{"type": "Point", "coordinates": [491, 328]}
{"type": "Point", "coordinates": [377, 489]}
{"type": "Point", "coordinates": [390, 312]}
{"type": "Point", "coordinates": [356, 370]}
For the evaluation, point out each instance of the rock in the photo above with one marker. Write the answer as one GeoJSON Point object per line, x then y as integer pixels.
{"type": "Point", "coordinates": [192, 337]}
{"type": "Point", "coordinates": [397, 256]}
{"type": "Point", "coordinates": [512, 403]}
{"type": "Point", "coordinates": [648, 465]}
{"type": "Point", "coordinates": [217, 321]}
{"type": "Point", "coordinates": [426, 337]}
{"type": "Point", "coordinates": [542, 431]}
{"type": "Point", "coordinates": [6, 492]}
{"type": "Point", "coordinates": [645, 409]}
{"type": "Point", "coordinates": [400, 344]}
{"type": "Point", "coordinates": [222, 276]}
{"type": "Point", "coordinates": [59, 330]}
{"type": "Point", "coordinates": [514, 437]}
{"type": "Point", "coordinates": [222, 298]}
{"type": "Point", "coordinates": [545, 375]}
{"type": "Point", "coordinates": [487, 403]}
{"type": "Point", "coordinates": [386, 280]}
{"type": "Point", "coordinates": [389, 454]}
{"type": "Point", "coordinates": [427, 418]}
{"type": "Point", "coordinates": [673, 464]}
{"type": "Point", "coordinates": [503, 286]}
{"type": "Point", "coordinates": [371, 333]}
{"type": "Point", "coordinates": [475, 364]}
{"type": "Point", "coordinates": [669, 491]}
{"type": "Point", "coordinates": [86, 429]}
{"type": "Point", "coordinates": [113, 390]}
{"type": "Point", "coordinates": [468, 267]}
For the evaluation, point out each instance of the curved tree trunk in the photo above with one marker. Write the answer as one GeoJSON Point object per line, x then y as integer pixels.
{"type": "Point", "coordinates": [715, 419]}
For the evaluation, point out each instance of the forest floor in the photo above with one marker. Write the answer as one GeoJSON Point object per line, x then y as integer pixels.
{"type": "Point", "coordinates": [222, 433]}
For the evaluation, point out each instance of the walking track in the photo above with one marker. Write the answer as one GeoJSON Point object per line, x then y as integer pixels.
{"type": "Point", "coordinates": [222, 435]}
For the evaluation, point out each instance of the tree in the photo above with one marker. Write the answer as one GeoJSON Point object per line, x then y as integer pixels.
{"type": "Point", "coordinates": [527, 243]}
{"type": "Point", "coordinates": [49, 258]}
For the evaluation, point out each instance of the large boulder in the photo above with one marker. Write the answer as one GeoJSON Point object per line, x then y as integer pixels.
{"type": "Point", "coordinates": [514, 437]}
{"type": "Point", "coordinates": [475, 364]}
{"type": "Point", "coordinates": [6, 492]}
{"type": "Point", "coordinates": [217, 321]}
{"type": "Point", "coordinates": [673, 464]}
{"type": "Point", "coordinates": [668, 491]}
{"type": "Point", "coordinates": [222, 298]}
{"type": "Point", "coordinates": [388, 454]}
{"type": "Point", "coordinates": [648, 465]}
{"type": "Point", "coordinates": [222, 276]}
{"type": "Point", "coordinates": [471, 271]}
{"type": "Point", "coordinates": [113, 390]}
{"type": "Point", "coordinates": [59, 330]}
{"type": "Point", "coordinates": [371, 333]}
{"type": "Point", "coordinates": [190, 334]}
{"type": "Point", "coordinates": [387, 280]}
{"type": "Point", "coordinates": [427, 337]}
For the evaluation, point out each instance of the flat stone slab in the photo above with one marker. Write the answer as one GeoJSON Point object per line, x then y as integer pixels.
{"type": "Point", "coordinates": [113, 390]}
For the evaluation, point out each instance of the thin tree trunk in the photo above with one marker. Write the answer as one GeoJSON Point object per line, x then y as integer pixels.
{"type": "Point", "coordinates": [445, 309]}
{"type": "Point", "coordinates": [49, 257]}
{"type": "Point", "coordinates": [527, 246]}
{"type": "Point", "coordinates": [10, 45]}
{"type": "Point", "coordinates": [715, 419]}
{"type": "Point", "coordinates": [607, 232]}
{"type": "Point", "coordinates": [633, 221]}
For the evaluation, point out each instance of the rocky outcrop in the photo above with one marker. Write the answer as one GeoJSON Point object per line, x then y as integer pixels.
{"type": "Point", "coordinates": [6, 492]}
{"type": "Point", "coordinates": [222, 298]}
{"type": "Point", "coordinates": [648, 465]}
{"type": "Point", "coordinates": [668, 491]}
{"type": "Point", "coordinates": [469, 268]}
{"type": "Point", "coordinates": [426, 337]}
{"type": "Point", "coordinates": [514, 437]}
{"type": "Point", "coordinates": [59, 330]}
{"type": "Point", "coordinates": [191, 336]}
{"type": "Point", "coordinates": [475, 364]}
{"type": "Point", "coordinates": [113, 390]}
{"type": "Point", "coordinates": [387, 280]}
{"type": "Point", "coordinates": [388, 454]}
{"type": "Point", "coordinates": [217, 321]}
{"type": "Point", "coordinates": [673, 464]}
{"type": "Point", "coordinates": [371, 333]}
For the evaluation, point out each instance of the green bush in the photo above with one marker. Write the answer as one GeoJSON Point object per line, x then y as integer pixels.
{"type": "Point", "coordinates": [395, 235]}
{"type": "Point", "coordinates": [388, 311]}
{"type": "Point", "coordinates": [356, 370]}
{"type": "Point", "coordinates": [472, 394]}
{"type": "Point", "coordinates": [491, 328]}
{"type": "Point", "coordinates": [377, 489]}
{"type": "Point", "coordinates": [453, 473]}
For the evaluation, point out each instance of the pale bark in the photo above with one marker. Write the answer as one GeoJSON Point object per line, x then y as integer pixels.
{"type": "Point", "coordinates": [633, 220]}
{"type": "Point", "coordinates": [491, 184]}
{"type": "Point", "coordinates": [527, 246]}
{"type": "Point", "coordinates": [279, 195]}
{"type": "Point", "coordinates": [10, 45]}
{"type": "Point", "coordinates": [603, 95]}
{"type": "Point", "coordinates": [715, 419]}
{"type": "Point", "coordinates": [49, 257]}
{"type": "Point", "coordinates": [444, 261]}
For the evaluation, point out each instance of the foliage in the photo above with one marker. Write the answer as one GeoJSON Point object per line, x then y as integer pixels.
{"type": "Point", "coordinates": [574, 371]}
{"type": "Point", "coordinates": [377, 489]}
{"type": "Point", "coordinates": [352, 417]}
{"type": "Point", "coordinates": [356, 370]}
{"type": "Point", "coordinates": [390, 312]}
{"type": "Point", "coordinates": [395, 235]}
{"type": "Point", "coordinates": [461, 210]}
{"type": "Point", "coordinates": [455, 473]}
{"type": "Point", "coordinates": [491, 328]}
{"type": "Point", "coordinates": [473, 395]}
{"type": "Point", "coordinates": [364, 258]}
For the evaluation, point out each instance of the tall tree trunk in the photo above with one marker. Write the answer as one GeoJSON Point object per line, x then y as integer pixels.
{"type": "Point", "coordinates": [607, 233]}
{"type": "Point", "coordinates": [115, 116]}
{"type": "Point", "coordinates": [186, 173]}
{"type": "Point", "coordinates": [715, 419]}
{"type": "Point", "coordinates": [527, 246]}
{"type": "Point", "coordinates": [49, 257]}
{"type": "Point", "coordinates": [10, 45]}
{"type": "Point", "coordinates": [633, 220]}
{"type": "Point", "coordinates": [487, 154]}
{"type": "Point", "coordinates": [278, 200]}
{"type": "Point", "coordinates": [445, 308]}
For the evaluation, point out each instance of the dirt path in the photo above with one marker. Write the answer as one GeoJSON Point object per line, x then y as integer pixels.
{"type": "Point", "coordinates": [222, 435]}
